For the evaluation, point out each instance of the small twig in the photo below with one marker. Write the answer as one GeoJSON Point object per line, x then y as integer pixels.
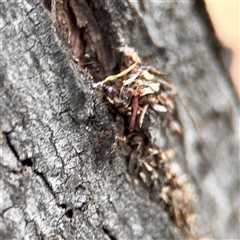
{"type": "Point", "coordinates": [142, 115]}
{"type": "Point", "coordinates": [121, 74]}
{"type": "Point", "coordinates": [134, 113]}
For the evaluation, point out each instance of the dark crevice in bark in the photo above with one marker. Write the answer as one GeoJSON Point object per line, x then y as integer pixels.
{"type": "Point", "coordinates": [79, 188]}
{"type": "Point", "coordinates": [69, 213]}
{"type": "Point", "coordinates": [47, 4]}
{"type": "Point", "coordinates": [27, 162]}
{"type": "Point", "coordinates": [11, 146]}
{"type": "Point", "coordinates": [107, 232]}
{"type": "Point", "coordinates": [44, 179]}
{"type": "Point", "coordinates": [73, 212]}
{"type": "Point", "coordinates": [63, 206]}
{"type": "Point", "coordinates": [5, 210]}
{"type": "Point", "coordinates": [84, 206]}
{"type": "Point", "coordinates": [88, 34]}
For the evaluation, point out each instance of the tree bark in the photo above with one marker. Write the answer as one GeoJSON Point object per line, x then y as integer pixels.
{"type": "Point", "coordinates": [61, 175]}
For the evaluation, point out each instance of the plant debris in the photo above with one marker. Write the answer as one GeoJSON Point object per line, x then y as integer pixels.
{"type": "Point", "coordinates": [137, 87]}
{"type": "Point", "coordinates": [139, 94]}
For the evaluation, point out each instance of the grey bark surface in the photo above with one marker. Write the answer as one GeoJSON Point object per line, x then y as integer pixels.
{"type": "Point", "coordinates": [60, 175]}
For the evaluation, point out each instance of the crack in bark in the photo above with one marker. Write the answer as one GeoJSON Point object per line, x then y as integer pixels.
{"type": "Point", "coordinates": [47, 184]}
{"type": "Point", "coordinates": [77, 24]}
{"type": "Point", "coordinates": [108, 233]}
{"type": "Point", "coordinates": [5, 210]}
{"type": "Point", "coordinates": [14, 151]}
{"type": "Point", "coordinates": [28, 162]}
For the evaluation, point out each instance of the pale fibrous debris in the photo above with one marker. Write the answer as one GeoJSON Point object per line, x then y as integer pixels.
{"type": "Point", "coordinates": [180, 198]}
{"type": "Point", "coordinates": [168, 154]}
{"type": "Point", "coordinates": [175, 127]}
{"type": "Point", "coordinates": [140, 84]}
{"type": "Point", "coordinates": [138, 91]}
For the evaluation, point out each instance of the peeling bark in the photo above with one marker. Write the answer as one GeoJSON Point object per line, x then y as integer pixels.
{"type": "Point", "coordinates": [61, 176]}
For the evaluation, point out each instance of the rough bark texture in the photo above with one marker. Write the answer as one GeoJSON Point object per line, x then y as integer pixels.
{"type": "Point", "coordinates": [60, 176]}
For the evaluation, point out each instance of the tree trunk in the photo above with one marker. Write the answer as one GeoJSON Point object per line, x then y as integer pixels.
{"type": "Point", "coordinates": [62, 174]}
